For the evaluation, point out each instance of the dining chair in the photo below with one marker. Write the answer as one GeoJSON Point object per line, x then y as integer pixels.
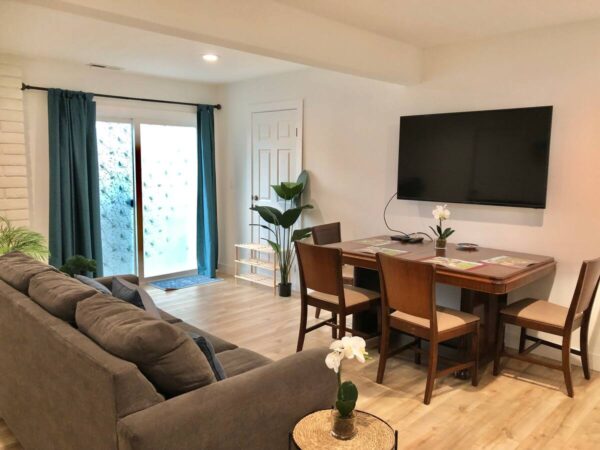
{"type": "Point", "coordinates": [541, 315]}
{"type": "Point", "coordinates": [331, 233]}
{"type": "Point", "coordinates": [322, 286]}
{"type": "Point", "coordinates": [409, 306]}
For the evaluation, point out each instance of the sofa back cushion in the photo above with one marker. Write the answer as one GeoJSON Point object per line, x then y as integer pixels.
{"type": "Point", "coordinates": [59, 294]}
{"type": "Point", "coordinates": [17, 269]}
{"type": "Point", "coordinates": [165, 354]}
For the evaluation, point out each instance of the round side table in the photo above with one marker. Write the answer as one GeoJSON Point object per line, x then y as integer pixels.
{"type": "Point", "coordinates": [313, 432]}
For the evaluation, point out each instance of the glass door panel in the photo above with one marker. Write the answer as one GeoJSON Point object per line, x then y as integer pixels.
{"type": "Point", "coordinates": [169, 166]}
{"type": "Point", "coordinates": [117, 219]}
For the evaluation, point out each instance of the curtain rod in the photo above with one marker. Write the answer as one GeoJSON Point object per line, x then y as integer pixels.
{"type": "Point", "coordinates": [37, 88]}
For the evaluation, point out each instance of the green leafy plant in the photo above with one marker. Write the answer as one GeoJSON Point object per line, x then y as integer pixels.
{"type": "Point", "coordinates": [78, 265]}
{"type": "Point", "coordinates": [281, 223]}
{"type": "Point", "coordinates": [23, 240]}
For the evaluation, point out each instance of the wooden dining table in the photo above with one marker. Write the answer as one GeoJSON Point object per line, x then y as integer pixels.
{"type": "Point", "coordinates": [484, 288]}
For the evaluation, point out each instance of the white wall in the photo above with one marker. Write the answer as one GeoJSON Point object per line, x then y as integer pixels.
{"type": "Point", "coordinates": [351, 145]}
{"type": "Point", "coordinates": [77, 77]}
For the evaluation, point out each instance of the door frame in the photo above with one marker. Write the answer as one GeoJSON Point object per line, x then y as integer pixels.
{"type": "Point", "coordinates": [263, 107]}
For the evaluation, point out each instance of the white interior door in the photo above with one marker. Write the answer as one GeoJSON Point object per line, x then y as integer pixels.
{"type": "Point", "coordinates": [276, 157]}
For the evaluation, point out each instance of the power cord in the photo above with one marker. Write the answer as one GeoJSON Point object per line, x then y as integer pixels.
{"type": "Point", "coordinates": [399, 231]}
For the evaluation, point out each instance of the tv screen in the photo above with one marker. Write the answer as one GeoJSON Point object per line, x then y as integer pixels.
{"type": "Point", "coordinates": [497, 157]}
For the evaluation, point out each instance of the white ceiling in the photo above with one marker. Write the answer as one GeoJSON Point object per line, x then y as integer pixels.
{"type": "Point", "coordinates": [38, 32]}
{"type": "Point", "coordinates": [427, 23]}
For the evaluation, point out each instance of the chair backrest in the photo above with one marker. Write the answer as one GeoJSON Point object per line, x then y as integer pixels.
{"type": "Point", "coordinates": [320, 268]}
{"type": "Point", "coordinates": [408, 287]}
{"type": "Point", "coordinates": [587, 285]}
{"type": "Point", "coordinates": [330, 233]}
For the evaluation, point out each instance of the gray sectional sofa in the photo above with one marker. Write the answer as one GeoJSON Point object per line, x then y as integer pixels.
{"type": "Point", "coordinates": [60, 390]}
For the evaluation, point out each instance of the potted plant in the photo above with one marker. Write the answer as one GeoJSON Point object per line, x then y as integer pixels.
{"type": "Point", "coordinates": [79, 265]}
{"type": "Point", "coordinates": [23, 240]}
{"type": "Point", "coordinates": [343, 419]}
{"type": "Point", "coordinates": [281, 226]}
{"type": "Point", "coordinates": [441, 213]}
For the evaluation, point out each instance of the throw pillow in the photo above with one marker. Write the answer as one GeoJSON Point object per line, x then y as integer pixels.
{"type": "Point", "coordinates": [167, 356]}
{"type": "Point", "coordinates": [93, 283]}
{"type": "Point", "coordinates": [207, 348]}
{"type": "Point", "coordinates": [132, 293]}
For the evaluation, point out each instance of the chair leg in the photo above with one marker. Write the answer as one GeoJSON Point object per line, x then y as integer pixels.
{"type": "Point", "coordinates": [499, 346]}
{"type": "Point", "coordinates": [431, 371]}
{"type": "Point", "coordinates": [583, 345]}
{"type": "Point", "coordinates": [342, 329]}
{"type": "Point", "coordinates": [318, 313]}
{"type": "Point", "coordinates": [522, 339]}
{"type": "Point", "coordinates": [566, 364]}
{"type": "Point", "coordinates": [302, 332]}
{"type": "Point", "coordinates": [417, 353]}
{"type": "Point", "coordinates": [475, 356]}
{"type": "Point", "coordinates": [334, 331]}
{"type": "Point", "coordinates": [384, 344]}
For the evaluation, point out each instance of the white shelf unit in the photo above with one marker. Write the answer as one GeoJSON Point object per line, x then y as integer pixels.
{"type": "Point", "coordinates": [259, 258]}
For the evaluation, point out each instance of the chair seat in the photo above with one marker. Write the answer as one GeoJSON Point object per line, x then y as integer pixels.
{"type": "Point", "coordinates": [353, 295]}
{"type": "Point", "coordinates": [447, 319]}
{"type": "Point", "coordinates": [541, 311]}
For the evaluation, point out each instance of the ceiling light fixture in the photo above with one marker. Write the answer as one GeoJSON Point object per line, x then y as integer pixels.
{"type": "Point", "coordinates": [210, 57]}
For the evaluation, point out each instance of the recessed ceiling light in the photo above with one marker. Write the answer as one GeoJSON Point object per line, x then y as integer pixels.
{"type": "Point", "coordinates": [210, 57]}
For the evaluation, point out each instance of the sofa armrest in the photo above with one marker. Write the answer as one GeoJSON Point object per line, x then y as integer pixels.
{"type": "Point", "coordinates": [107, 281]}
{"type": "Point", "coordinates": [254, 410]}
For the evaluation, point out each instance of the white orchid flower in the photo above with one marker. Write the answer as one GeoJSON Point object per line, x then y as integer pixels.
{"type": "Point", "coordinates": [441, 212]}
{"type": "Point", "coordinates": [334, 360]}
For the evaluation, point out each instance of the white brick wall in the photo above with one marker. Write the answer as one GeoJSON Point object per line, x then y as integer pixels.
{"type": "Point", "coordinates": [14, 193]}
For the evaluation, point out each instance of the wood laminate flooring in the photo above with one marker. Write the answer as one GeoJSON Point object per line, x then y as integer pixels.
{"type": "Point", "coordinates": [526, 407]}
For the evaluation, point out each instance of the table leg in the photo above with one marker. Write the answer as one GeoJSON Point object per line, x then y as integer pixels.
{"type": "Point", "coordinates": [366, 321]}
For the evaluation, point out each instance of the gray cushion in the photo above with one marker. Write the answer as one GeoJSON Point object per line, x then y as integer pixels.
{"type": "Point", "coordinates": [206, 347]}
{"type": "Point", "coordinates": [165, 354]}
{"type": "Point", "coordinates": [137, 296]}
{"type": "Point", "coordinates": [168, 317]}
{"type": "Point", "coordinates": [18, 269]}
{"type": "Point", "coordinates": [220, 345]}
{"type": "Point", "coordinates": [59, 294]}
{"type": "Point", "coordinates": [242, 360]}
{"type": "Point", "coordinates": [93, 283]}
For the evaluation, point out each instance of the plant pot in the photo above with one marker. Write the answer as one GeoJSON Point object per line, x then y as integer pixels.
{"type": "Point", "coordinates": [343, 428]}
{"type": "Point", "coordinates": [440, 244]}
{"type": "Point", "coordinates": [285, 289]}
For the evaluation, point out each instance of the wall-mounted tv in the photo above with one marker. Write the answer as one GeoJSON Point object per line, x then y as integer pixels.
{"type": "Point", "coordinates": [497, 157]}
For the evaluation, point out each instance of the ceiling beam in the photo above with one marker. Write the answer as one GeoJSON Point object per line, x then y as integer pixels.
{"type": "Point", "coordinates": [263, 27]}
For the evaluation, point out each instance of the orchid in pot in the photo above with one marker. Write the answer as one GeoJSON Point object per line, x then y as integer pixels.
{"type": "Point", "coordinates": [441, 213]}
{"type": "Point", "coordinates": [343, 418]}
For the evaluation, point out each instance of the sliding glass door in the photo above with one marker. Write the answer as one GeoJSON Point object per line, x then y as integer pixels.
{"type": "Point", "coordinates": [169, 190]}
{"type": "Point", "coordinates": [148, 190]}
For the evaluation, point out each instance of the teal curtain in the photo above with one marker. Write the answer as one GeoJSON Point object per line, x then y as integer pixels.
{"type": "Point", "coordinates": [74, 191]}
{"type": "Point", "coordinates": [207, 237]}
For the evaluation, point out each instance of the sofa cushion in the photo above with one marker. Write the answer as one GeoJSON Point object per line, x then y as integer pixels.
{"type": "Point", "coordinates": [241, 360]}
{"type": "Point", "coordinates": [17, 270]}
{"type": "Point", "coordinates": [206, 347]}
{"type": "Point", "coordinates": [134, 294]}
{"type": "Point", "coordinates": [59, 294]}
{"type": "Point", "coordinates": [93, 283]}
{"type": "Point", "coordinates": [220, 345]}
{"type": "Point", "coordinates": [164, 353]}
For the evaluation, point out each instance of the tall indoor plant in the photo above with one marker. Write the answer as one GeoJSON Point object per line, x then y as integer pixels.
{"type": "Point", "coordinates": [282, 227]}
{"type": "Point", "coordinates": [21, 239]}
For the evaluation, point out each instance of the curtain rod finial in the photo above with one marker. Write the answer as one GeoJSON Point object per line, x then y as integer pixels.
{"type": "Point", "coordinates": [23, 86]}
{"type": "Point", "coordinates": [218, 106]}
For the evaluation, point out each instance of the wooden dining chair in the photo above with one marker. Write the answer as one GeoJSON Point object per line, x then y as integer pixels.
{"type": "Point", "coordinates": [322, 286]}
{"type": "Point", "coordinates": [331, 233]}
{"type": "Point", "coordinates": [409, 306]}
{"type": "Point", "coordinates": [541, 315]}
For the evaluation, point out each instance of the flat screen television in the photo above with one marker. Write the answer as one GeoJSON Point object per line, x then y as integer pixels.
{"type": "Point", "coordinates": [497, 157]}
